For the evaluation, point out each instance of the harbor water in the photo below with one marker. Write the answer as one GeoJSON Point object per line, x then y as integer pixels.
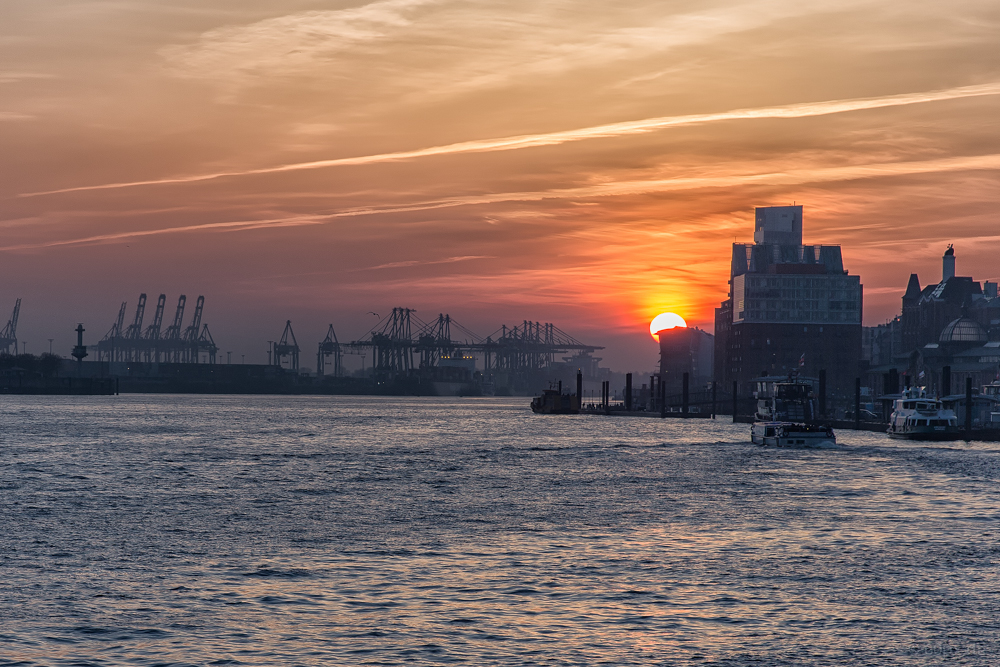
{"type": "Point", "coordinates": [233, 530]}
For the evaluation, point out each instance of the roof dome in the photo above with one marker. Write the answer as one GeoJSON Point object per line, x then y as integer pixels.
{"type": "Point", "coordinates": [963, 330]}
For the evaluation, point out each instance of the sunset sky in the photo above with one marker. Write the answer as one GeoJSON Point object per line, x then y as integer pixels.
{"type": "Point", "coordinates": [583, 163]}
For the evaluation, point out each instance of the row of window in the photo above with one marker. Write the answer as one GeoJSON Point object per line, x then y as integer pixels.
{"type": "Point", "coordinates": [756, 304]}
{"type": "Point", "coordinates": [797, 316]}
{"type": "Point", "coordinates": [800, 281]}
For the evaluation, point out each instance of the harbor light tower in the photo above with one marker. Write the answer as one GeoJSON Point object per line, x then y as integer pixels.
{"type": "Point", "coordinates": [80, 351]}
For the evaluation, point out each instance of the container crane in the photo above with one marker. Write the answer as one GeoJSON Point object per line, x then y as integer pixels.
{"type": "Point", "coordinates": [8, 337]}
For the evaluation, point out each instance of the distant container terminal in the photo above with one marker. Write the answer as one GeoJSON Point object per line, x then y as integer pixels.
{"type": "Point", "coordinates": [405, 356]}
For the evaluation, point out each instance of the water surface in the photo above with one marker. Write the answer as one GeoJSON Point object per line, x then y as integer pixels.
{"type": "Point", "coordinates": [156, 530]}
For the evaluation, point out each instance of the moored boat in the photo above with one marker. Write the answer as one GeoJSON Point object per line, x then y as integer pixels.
{"type": "Point", "coordinates": [785, 416]}
{"type": "Point", "coordinates": [916, 416]}
{"type": "Point", "coordinates": [554, 402]}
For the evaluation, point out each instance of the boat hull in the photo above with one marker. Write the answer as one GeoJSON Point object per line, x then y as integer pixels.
{"type": "Point", "coordinates": [792, 435]}
{"type": "Point", "coordinates": [927, 435]}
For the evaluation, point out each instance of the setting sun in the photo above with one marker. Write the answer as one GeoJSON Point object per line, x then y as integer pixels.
{"type": "Point", "coordinates": [665, 321]}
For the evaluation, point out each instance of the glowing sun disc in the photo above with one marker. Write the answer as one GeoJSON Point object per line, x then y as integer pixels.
{"type": "Point", "coordinates": [665, 321]}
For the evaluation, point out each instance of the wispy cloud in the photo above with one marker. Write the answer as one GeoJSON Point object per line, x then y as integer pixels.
{"type": "Point", "coordinates": [448, 260]}
{"type": "Point", "coordinates": [288, 44]}
{"type": "Point", "coordinates": [424, 49]}
{"type": "Point", "coordinates": [16, 77]}
{"type": "Point", "coordinates": [801, 110]}
{"type": "Point", "coordinates": [611, 189]}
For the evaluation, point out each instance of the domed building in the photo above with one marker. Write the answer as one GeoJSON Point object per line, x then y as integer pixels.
{"type": "Point", "coordinates": [964, 350]}
{"type": "Point", "coordinates": [953, 324]}
{"type": "Point", "coordinates": [963, 331]}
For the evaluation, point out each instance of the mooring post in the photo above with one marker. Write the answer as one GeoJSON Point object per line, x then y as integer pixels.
{"type": "Point", "coordinates": [663, 399]}
{"type": "Point", "coordinates": [968, 409]}
{"type": "Point", "coordinates": [685, 396]}
{"type": "Point", "coordinates": [579, 390]}
{"type": "Point", "coordinates": [735, 387]}
{"type": "Point", "coordinates": [628, 391]}
{"type": "Point", "coordinates": [857, 404]}
{"type": "Point", "coordinates": [822, 393]}
{"type": "Point", "coordinates": [713, 399]}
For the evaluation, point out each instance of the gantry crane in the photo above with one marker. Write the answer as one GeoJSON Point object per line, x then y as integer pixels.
{"type": "Point", "coordinates": [8, 337]}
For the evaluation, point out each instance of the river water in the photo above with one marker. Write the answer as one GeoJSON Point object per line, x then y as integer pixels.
{"type": "Point", "coordinates": [222, 530]}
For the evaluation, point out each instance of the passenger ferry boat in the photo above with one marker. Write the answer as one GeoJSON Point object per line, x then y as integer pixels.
{"type": "Point", "coordinates": [916, 416]}
{"type": "Point", "coordinates": [784, 412]}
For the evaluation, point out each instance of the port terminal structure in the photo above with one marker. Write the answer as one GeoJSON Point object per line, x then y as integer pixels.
{"type": "Point", "coordinates": [404, 349]}
{"type": "Point", "coordinates": [402, 344]}
{"type": "Point", "coordinates": [407, 356]}
{"type": "Point", "coordinates": [154, 344]}
{"type": "Point", "coordinates": [8, 336]}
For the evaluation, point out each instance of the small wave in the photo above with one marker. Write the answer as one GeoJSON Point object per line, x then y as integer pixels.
{"type": "Point", "coordinates": [292, 573]}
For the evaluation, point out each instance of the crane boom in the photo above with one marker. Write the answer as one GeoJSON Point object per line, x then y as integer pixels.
{"type": "Point", "coordinates": [120, 322]}
{"type": "Point", "coordinates": [153, 332]}
{"type": "Point", "coordinates": [135, 329]}
{"type": "Point", "coordinates": [192, 332]}
{"type": "Point", "coordinates": [174, 330]}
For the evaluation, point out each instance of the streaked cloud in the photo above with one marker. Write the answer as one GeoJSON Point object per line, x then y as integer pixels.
{"type": "Point", "coordinates": [289, 44]}
{"type": "Point", "coordinates": [451, 46]}
{"type": "Point", "coordinates": [612, 189]}
{"type": "Point", "coordinates": [415, 262]}
{"type": "Point", "coordinates": [627, 128]}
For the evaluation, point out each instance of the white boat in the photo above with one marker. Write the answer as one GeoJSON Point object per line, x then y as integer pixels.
{"type": "Point", "coordinates": [993, 390]}
{"type": "Point", "coordinates": [785, 416]}
{"type": "Point", "coordinates": [916, 416]}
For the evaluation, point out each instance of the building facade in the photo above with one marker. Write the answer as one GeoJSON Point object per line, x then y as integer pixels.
{"type": "Point", "coordinates": [685, 350]}
{"type": "Point", "coordinates": [953, 324]}
{"type": "Point", "coordinates": [791, 307]}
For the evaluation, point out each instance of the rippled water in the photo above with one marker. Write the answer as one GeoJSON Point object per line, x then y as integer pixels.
{"type": "Point", "coordinates": [317, 530]}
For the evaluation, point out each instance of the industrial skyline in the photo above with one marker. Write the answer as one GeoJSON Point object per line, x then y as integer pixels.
{"type": "Point", "coordinates": [576, 163]}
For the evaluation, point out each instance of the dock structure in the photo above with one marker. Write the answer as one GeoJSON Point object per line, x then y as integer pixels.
{"type": "Point", "coordinates": [407, 354]}
{"type": "Point", "coordinates": [175, 344]}
{"type": "Point", "coordinates": [402, 344]}
{"type": "Point", "coordinates": [8, 336]}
